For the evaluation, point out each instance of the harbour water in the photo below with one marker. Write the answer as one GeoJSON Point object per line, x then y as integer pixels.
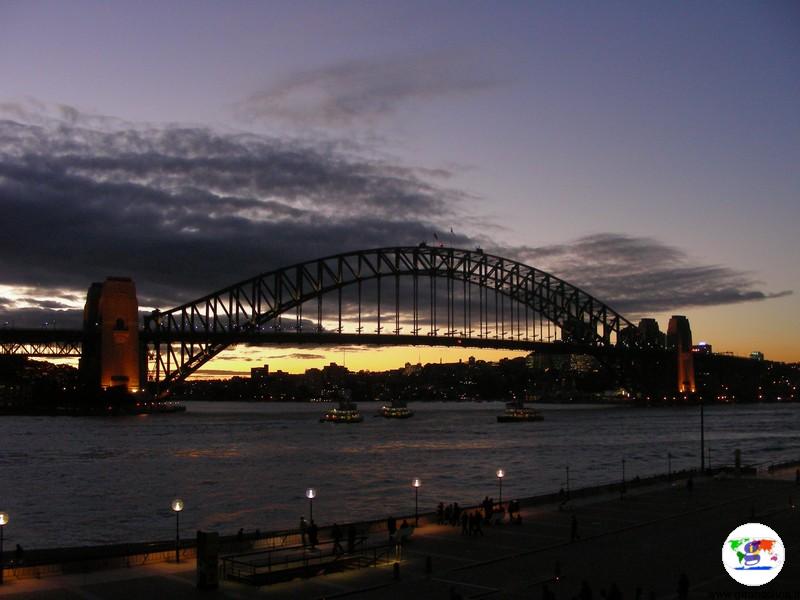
{"type": "Point", "coordinates": [77, 481]}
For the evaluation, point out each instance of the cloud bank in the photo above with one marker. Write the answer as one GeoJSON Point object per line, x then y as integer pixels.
{"type": "Point", "coordinates": [640, 275]}
{"type": "Point", "coordinates": [187, 210]}
{"type": "Point", "coordinates": [364, 90]}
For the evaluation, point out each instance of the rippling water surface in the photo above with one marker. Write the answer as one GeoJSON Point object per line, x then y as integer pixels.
{"type": "Point", "coordinates": [73, 481]}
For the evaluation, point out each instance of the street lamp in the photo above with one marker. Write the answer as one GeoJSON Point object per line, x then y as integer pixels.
{"type": "Point", "coordinates": [500, 475]}
{"type": "Point", "coordinates": [669, 466]}
{"type": "Point", "coordinates": [416, 483]}
{"type": "Point", "coordinates": [177, 507]}
{"type": "Point", "coordinates": [311, 494]}
{"type": "Point", "coordinates": [622, 489]}
{"type": "Point", "coordinates": [3, 521]}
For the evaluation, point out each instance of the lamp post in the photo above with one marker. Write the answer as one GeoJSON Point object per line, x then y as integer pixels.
{"type": "Point", "coordinates": [177, 507]}
{"type": "Point", "coordinates": [622, 490]}
{"type": "Point", "coordinates": [702, 438]}
{"type": "Point", "coordinates": [500, 475]}
{"type": "Point", "coordinates": [311, 494]}
{"type": "Point", "coordinates": [3, 521]}
{"type": "Point", "coordinates": [416, 483]}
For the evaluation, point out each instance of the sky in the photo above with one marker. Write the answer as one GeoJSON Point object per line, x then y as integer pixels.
{"type": "Point", "coordinates": [646, 152]}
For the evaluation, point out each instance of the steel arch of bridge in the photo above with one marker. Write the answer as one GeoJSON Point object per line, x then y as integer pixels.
{"type": "Point", "coordinates": [184, 338]}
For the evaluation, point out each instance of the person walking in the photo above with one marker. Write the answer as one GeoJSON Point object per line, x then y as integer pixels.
{"type": "Point", "coordinates": [313, 531]}
{"type": "Point", "coordinates": [303, 530]}
{"type": "Point", "coordinates": [683, 587]}
{"type": "Point", "coordinates": [336, 534]}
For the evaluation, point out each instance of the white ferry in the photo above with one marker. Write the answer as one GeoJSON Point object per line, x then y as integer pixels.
{"type": "Point", "coordinates": [517, 412]}
{"type": "Point", "coordinates": [397, 409]}
{"type": "Point", "coordinates": [346, 412]}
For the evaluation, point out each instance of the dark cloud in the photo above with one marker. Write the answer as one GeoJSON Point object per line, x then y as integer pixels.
{"type": "Point", "coordinates": [299, 356]}
{"type": "Point", "coordinates": [360, 91]}
{"type": "Point", "coordinates": [639, 276]}
{"type": "Point", "coordinates": [184, 211]}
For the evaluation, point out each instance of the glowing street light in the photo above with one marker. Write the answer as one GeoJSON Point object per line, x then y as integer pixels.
{"type": "Point", "coordinates": [3, 521]}
{"type": "Point", "coordinates": [500, 474]}
{"type": "Point", "coordinates": [311, 493]}
{"type": "Point", "coordinates": [177, 507]}
{"type": "Point", "coordinates": [416, 483]}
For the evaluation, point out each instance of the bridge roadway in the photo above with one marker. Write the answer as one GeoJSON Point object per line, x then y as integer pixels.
{"type": "Point", "coordinates": [61, 341]}
{"type": "Point", "coordinates": [646, 540]}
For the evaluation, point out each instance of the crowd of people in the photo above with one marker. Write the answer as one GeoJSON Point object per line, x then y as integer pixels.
{"type": "Point", "coordinates": [489, 512]}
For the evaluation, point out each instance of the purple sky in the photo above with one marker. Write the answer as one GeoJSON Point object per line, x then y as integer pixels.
{"type": "Point", "coordinates": [669, 132]}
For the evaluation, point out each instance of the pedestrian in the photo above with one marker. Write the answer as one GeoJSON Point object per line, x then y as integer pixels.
{"type": "Point", "coordinates": [336, 534]}
{"type": "Point", "coordinates": [614, 593]}
{"type": "Point", "coordinates": [303, 529]}
{"type": "Point", "coordinates": [19, 555]}
{"type": "Point", "coordinates": [586, 591]}
{"type": "Point", "coordinates": [547, 593]}
{"type": "Point", "coordinates": [391, 526]}
{"type": "Point", "coordinates": [312, 534]}
{"type": "Point", "coordinates": [573, 533]}
{"type": "Point", "coordinates": [683, 587]}
{"type": "Point", "coordinates": [351, 538]}
{"type": "Point", "coordinates": [478, 528]}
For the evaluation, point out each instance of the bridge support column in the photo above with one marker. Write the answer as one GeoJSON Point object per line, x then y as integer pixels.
{"type": "Point", "coordinates": [679, 338]}
{"type": "Point", "coordinates": [111, 353]}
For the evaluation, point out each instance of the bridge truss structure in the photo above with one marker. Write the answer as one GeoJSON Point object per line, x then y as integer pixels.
{"type": "Point", "coordinates": [41, 343]}
{"type": "Point", "coordinates": [420, 295]}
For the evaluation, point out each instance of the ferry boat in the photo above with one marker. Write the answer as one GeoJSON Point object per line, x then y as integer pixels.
{"type": "Point", "coordinates": [397, 409]}
{"type": "Point", "coordinates": [517, 412]}
{"type": "Point", "coordinates": [346, 412]}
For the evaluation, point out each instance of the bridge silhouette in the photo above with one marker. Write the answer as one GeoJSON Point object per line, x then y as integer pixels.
{"type": "Point", "coordinates": [410, 295]}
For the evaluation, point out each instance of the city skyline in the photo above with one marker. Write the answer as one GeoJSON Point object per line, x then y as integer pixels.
{"type": "Point", "coordinates": [643, 153]}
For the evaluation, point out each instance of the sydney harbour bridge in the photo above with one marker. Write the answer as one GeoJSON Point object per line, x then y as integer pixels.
{"type": "Point", "coordinates": [417, 295]}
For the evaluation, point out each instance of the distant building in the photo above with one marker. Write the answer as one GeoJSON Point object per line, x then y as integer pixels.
{"type": "Point", "coordinates": [756, 355]}
{"type": "Point", "coordinates": [679, 339]}
{"type": "Point", "coordinates": [650, 335]}
{"type": "Point", "coordinates": [702, 348]}
{"type": "Point", "coordinates": [259, 374]}
{"type": "Point", "coordinates": [583, 363]}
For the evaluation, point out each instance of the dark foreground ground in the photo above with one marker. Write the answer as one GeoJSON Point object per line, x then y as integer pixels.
{"type": "Point", "coordinates": [645, 541]}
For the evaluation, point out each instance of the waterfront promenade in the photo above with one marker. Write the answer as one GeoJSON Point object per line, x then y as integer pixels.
{"type": "Point", "coordinates": [645, 539]}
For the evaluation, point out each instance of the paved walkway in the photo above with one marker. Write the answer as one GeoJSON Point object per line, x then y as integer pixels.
{"type": "Point", "coordinates": [645, 540]}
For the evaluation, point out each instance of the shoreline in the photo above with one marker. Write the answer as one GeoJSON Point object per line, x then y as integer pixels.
{"type": "Point", "coordinates": [43, 562]}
